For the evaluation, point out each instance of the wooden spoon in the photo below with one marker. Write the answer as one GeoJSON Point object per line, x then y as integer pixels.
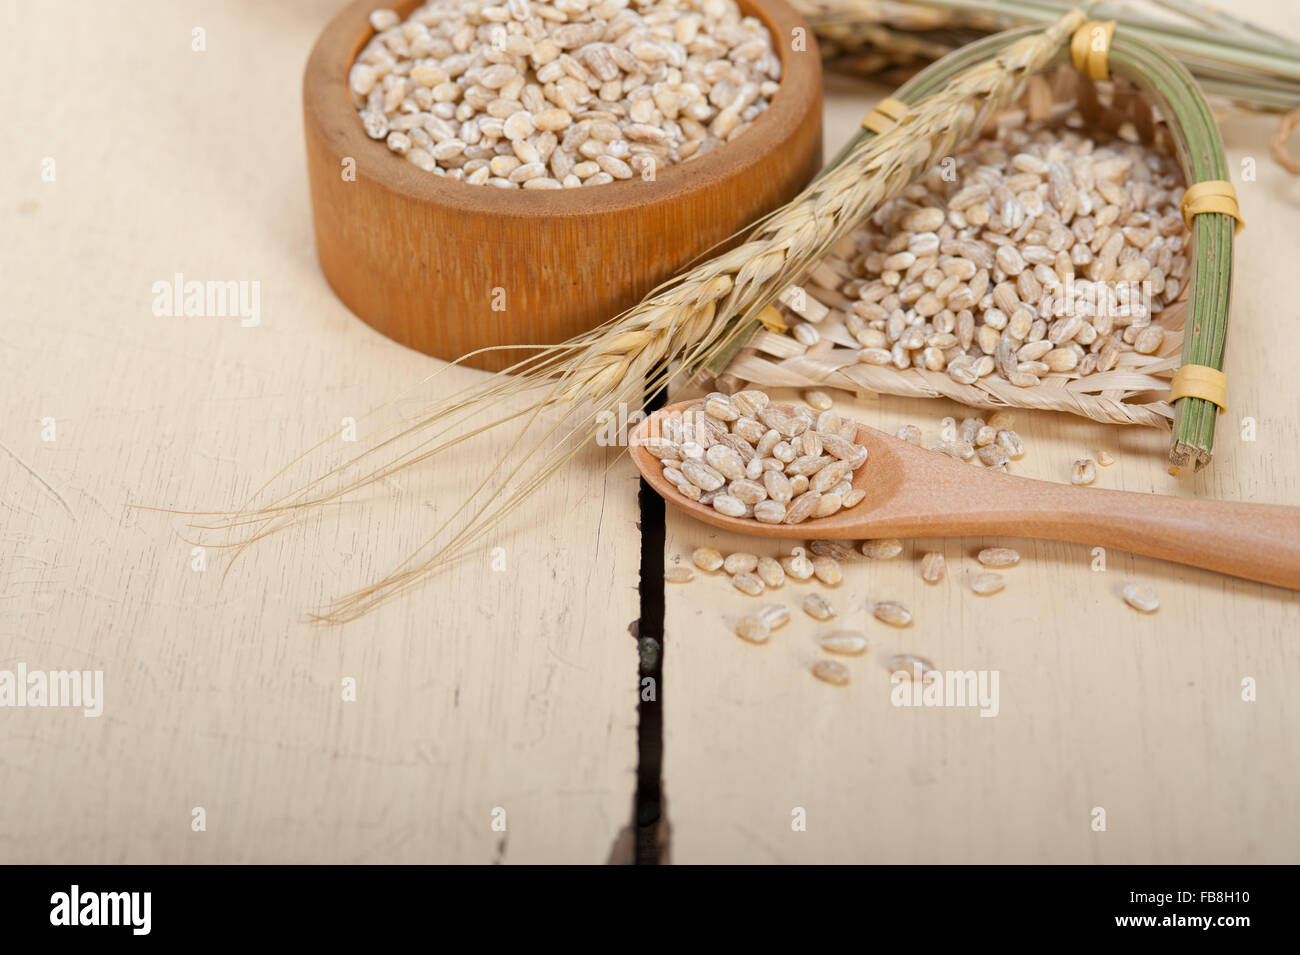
{"type": "Point", "coordinates": [912, 492]}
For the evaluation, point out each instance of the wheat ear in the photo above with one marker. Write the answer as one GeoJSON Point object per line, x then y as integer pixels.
{"type": "Point", "coordinates": [667, 337]}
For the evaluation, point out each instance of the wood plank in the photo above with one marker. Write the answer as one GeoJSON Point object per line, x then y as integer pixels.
{"type": "Point", "coordinates": [485, 689]}
{"type": "Point", "coordinates": [1099, 706]}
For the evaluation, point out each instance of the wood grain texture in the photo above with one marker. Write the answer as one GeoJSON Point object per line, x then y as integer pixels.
{"type": "Point", "coordinates": [913, 492]}
{"type": "Point", "coordinates": [218, 696]}
{"type": "Point", "coordinates": [1099, 706]}
{"type": "Point", "coordinates": [514, 689]}
{"type": "Point", "coordinates": [419, 257]}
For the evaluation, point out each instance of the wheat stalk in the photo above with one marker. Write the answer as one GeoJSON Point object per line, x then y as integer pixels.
{"type": "Point", "coordinates": [1228, 56]}
{"type": "Point", "coordinates": [673, 332]}
{"type": "Point", "coordinates": [779, 248]}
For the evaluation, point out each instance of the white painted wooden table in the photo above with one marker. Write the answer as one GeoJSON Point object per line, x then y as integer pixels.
{"type": "Point", "coordinates": [485, 690]}
{"type": "Point", "coordinates": [517, 690]}
{"type": "Point", "coordinates": [1100, 707]}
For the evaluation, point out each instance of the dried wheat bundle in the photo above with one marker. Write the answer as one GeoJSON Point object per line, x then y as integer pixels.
{"type": "Point", "coordinates": [890, 39]}
{"type": "Point", "coordinates": [1163, 108]}
{"type": "Point", "coordinates": [556, 398]}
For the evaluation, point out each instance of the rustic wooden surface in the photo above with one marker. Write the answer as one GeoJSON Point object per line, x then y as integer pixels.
{"type": "Point", "coordinates": [517, 689]}
{"type": "Point", "coordinates": [512, 689]}
{"type": "Point", "coordinates": [1099, 706]}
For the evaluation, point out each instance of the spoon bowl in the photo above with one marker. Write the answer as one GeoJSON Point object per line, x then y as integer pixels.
{"type": "Point", "coordinates": [912, 492]}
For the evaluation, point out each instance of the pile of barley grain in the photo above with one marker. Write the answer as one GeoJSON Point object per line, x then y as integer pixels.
{"type": "Point", "coordinates": [992, 443]}
{"type": "Point", "coordinates": [749, 458]}
{"type": "Point", "coordinates": [1030, 263]}
{"type": "Point", "coordinates": [752, 575]}
{"type": "Point", "coordinates": [514, 93]}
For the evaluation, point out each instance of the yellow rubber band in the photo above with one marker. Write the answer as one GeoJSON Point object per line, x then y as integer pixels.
{"type": "Point", "coordinates": [1090, 48]}
{"type": "Point", "coordinates": [887, 114]}
{"type": "Point", "coordinates": [1200, 381]}
{"type": "Point", "coordinates": [772, 320]}
{"type": "Point", "coordinates": [1213, 195]}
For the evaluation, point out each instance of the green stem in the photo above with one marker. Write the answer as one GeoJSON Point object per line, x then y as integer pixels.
{"type": "Point", "coordinates": [1200, 151]}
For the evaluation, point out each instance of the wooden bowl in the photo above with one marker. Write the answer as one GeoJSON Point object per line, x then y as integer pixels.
{"type": "Point", "coordinates": [447, 267]}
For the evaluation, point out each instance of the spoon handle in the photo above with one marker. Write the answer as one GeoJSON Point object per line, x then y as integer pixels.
{"type": "Point", "coordinates": [1255, 541]}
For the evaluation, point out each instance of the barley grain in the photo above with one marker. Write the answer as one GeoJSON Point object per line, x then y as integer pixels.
{"type": "Point", "coordinates": [774, 615]}
{"type": "Point", "coordinates": [677, 80]}
{"type": "Point", "coordinates": [847, 642]}
{"type": "Point", "coordinates": [987, 583]}
{"type": "Point", "coordinates": [729, 506]}
{"type": "Point", "coordinates": [993, 456]}
{"type": "Point", "coordinates": [827, 570]}
{"type": "Point", "coordinates": [720, 406]}
{"type": "Point", "coordinates": [999, 557]}
{"type": "Point", "coordinates": [933, 567]}
{"type": "Point", "coordinates": [678, 575]}
{"type": "Point", "coordinates": [770, 571]}
{"type": "Point", "coordinates": [808, 465]}
{"type": "Point", "coordinates": [830, 475]}
{"type": "Point", "coordinates": [1011, 443]}
{"type": "Point", "coordinates": [1148, 340]}
{"type": "Point", "coordinates": [884, 549]}
{"type": "Point", "coordinates": [909, 433]}
{"type": "Point", "coordinates": [1141, 597]}
{"type": "Point", "coordinates": [970, 297]}
{"type": "Point", "coordinates": [775, 467]}
{"type": "Point", "coordinates": [832, 549]}
{"type": "Point", "coordinates": [750, 403]}
{"type": "Point", "coordinates": [829, 503]}
{"type": "Point", "coordinates": [707, 559]}
{"type": "Point", "coordinates": [797, 565]}
{"type": "Point", "coordinates": [831, 671]}
{"type": "Point", "coordinates": [818, 400]}
{"type": "Point", "coordinates": [661, 448]}
{"type": "Point", "coordinates": [892, 612]}
{"type": "Point", "coordinates": [740, 563]}
{"type": "Point", "coordinates": [1083, 472]}
{"type": "Point", "coordinates": [817, 607]}
{"type": "Point", "coordinates": [725, 461]}
{"type": "Point", "coordinates": [808, 444]}
{"type": "Point", "coordinates": [701, 475]}
{"type": "Point", "coordinates": [802, 507]}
